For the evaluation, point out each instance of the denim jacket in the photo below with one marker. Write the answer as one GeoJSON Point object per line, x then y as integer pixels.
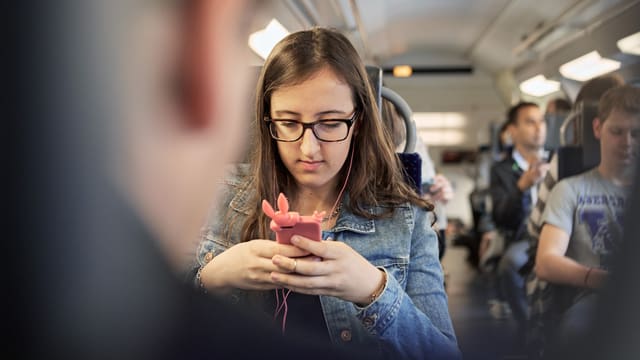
{"type": "Point", "coordinates": [410, 319]}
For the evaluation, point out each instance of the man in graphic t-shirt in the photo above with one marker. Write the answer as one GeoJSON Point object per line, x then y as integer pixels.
{"type": "Point", "coordinates": [583, 216]}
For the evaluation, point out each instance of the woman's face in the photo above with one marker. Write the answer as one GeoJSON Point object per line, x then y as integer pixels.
{"type": "Point", "coordinates": [313, 163]}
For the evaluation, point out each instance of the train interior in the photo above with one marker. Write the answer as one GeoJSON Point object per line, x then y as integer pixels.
{"type": "Point", "coordinates": [452, 69]}
{"type": "Point", "coordinates": [459, 65]}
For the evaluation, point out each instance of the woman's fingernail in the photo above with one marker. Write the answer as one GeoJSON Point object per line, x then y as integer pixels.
{"type": "Point", "coordinates": [295, 239]}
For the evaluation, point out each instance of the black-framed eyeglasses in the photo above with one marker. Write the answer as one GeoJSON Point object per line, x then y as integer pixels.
{"type": "Point", "coordinates": [327, 130]}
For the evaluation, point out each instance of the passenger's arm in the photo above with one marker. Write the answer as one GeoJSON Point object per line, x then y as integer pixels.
{"type": "Point", "coordinates": [553, 266]}
{"type": "Point", "coordinates": [411, 321]}
{"type": "Point", "coordinates": [534, 175]}
{"type": "Point", "coordinates": [414, 322]}
{"type": "Point", "coordinates": [441, 190]}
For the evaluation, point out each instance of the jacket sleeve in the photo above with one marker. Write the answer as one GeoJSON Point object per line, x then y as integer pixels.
{"type": "Point", "coordinates": [210, 245]}
{"type": "Point", "coordinates": [414, 322]}
{"type": "Point", "coordinates": [506, 199]}
{"type": "Point", "coordinates": [211, 241]}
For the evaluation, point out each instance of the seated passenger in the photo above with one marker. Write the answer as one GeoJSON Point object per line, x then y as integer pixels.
{"type": "Point", "coordinates": [375, 281]}
{"type": "Point", "coordinates": [436, 187]}
{"type": "Point", "coordinates": [438, 190]}
{"type": "Point", "coordinates": [513, 189]}
{"type": "Point", "coordinates": [583, 217]}
{"type": "Point", "coordinates": [538, 296]}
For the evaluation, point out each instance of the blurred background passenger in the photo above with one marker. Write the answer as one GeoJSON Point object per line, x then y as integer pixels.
{"type": "Point", "coordinates": [538, 293]}
{"type": "Point", "coordinates": [614, 332]}
{"type": "Point", "coordinates": [435, 187]}
{"type": "Point", "coordinates": [582, 221]}
{"type": "Point", "coordinates": [130, 112]}
{"type": "Point", "coordinates": [514, 183]}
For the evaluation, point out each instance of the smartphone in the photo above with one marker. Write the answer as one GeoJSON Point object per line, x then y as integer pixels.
{"type": "Point", "coordinates": [309, 229]}
{"type": "Point", "coordinates": [426, 188]}
{"type": "Point", "coordinates": [287, 223]}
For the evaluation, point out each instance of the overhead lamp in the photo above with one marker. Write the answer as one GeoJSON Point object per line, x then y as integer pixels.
{"type": "Point", "coordinates": [263, 41]}
{"type": "Point", "coordinates": [539, 86]}
{"type": "Point", "coordinates": [439, 120]}
{"type": "Point", "coordinates": [630, 44]}
{"type": "Point", "coordinates": [444, 137]}
{"type": "Point", "coordinates": [588, 66]}
{"type": "Point", "coordinates": [402, 71]}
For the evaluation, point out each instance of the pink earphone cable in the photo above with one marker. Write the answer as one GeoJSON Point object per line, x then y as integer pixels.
{"type": "Point", "coordinates": [280, 306]}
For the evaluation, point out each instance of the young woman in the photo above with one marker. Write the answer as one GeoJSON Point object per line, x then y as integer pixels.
{"type": "Point", "coordinates": [376, 280]}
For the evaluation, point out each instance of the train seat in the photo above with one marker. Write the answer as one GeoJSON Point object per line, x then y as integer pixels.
{"type": "Point", "coordinates": [582, 152]}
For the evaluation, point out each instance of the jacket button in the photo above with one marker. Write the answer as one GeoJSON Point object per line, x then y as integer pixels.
{"type": "Point", "coordinates": [208, 257]}
{"type": "Point", "coordinates": [367, 321]}
{"type": "Point", "coordinates": [345, 335]}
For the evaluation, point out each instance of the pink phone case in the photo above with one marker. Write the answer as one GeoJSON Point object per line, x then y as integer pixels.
{"type": "Point", "coordinates": [287, 223]}
{"type": "Point", "coordinates": [309, 230]}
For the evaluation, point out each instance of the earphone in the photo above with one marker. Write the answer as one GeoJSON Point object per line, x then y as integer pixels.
{"type": "Point", "coordinates": [284, 217]}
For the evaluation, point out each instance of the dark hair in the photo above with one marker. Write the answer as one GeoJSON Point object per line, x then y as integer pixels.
{"type": "Point", "coordinates": [624, 98]}
{"type": "Point", "coordinates": [592, 90]}
{"type": "Point", "coordinates": [376, 176]}
{"type": "Point", "coordinates": [514, 111]}
{"type": "Point", "coordinates": [562, 106]}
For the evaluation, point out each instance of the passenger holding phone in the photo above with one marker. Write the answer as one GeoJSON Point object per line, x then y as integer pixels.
{"type": "Point", "coordinates": [439, 191]}
{"type": "Point", "coordinates": [436, 188]}
{"type": "Point", "coordinates": [533, 175]}
{"type": "Point", "coordinates": [513, 188]}
{"type": "Point", "coordinates": [375, 281]}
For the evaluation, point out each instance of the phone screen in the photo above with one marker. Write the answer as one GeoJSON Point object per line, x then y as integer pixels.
{"type": "Point", "coordinates": [426, 187]}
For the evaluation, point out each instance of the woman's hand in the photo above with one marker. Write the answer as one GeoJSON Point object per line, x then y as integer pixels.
{"type": "Point", "coordinates": [342, 272]}
{"type": "Point", "coordinates": [441, 190]}
{"type": "Point", "coordinates": [246, 265]}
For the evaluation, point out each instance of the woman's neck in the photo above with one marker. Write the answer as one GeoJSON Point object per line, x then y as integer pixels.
{"type": "Point", "coordinates": [309, 200]}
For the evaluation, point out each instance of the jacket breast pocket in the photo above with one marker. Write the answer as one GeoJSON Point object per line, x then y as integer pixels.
{"type": "Point", "coordinates": [395, 266]}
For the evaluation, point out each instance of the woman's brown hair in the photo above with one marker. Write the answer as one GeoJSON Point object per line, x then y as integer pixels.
{"type": "Point", "coordinates": [376, 177]}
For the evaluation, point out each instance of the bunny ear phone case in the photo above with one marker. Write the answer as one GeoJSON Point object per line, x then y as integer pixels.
{"type": "Point", "coordinates": [287, 223]}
